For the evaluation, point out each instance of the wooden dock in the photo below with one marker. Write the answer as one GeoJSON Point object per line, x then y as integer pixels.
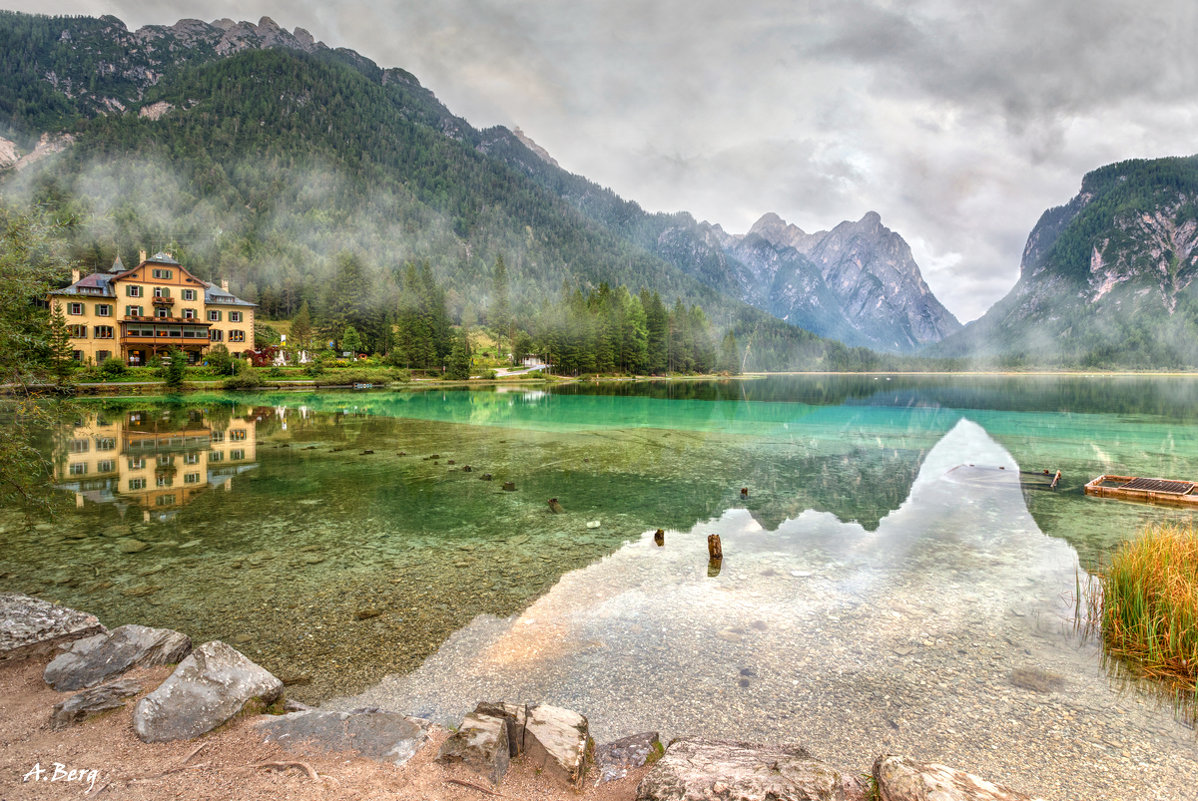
{"type": "Point", "coordinates": [1164, 491]}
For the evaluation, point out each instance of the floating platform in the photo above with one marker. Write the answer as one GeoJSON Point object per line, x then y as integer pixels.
{"type": "Point", "coordinates": [1164, 491]}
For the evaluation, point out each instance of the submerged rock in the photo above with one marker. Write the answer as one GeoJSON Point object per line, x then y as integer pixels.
{"type": "Point", "coordinates": [613, 760]}
{"type": "Point", "coordinates": [92, 660]}
{"type": "Point", "coordinates": [31, 627]}
{"type": "Point", "coordinates": [209, 687]}
{"type": "Point", "coordinates": [903, 779]}
{"type": "Point", "coordinates": [697, 769]}
{"type": "Point", "coordinates": [82, 705]}
{"type": "Point", "coordinates": [375, 734]}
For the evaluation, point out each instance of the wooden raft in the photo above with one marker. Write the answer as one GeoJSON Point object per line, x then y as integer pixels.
{"type": "Point", "coordinates": [1168, 492]}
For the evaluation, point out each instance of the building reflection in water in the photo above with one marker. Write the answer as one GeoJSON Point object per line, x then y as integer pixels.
{"type": "Point", "coordinates": [157, 461]}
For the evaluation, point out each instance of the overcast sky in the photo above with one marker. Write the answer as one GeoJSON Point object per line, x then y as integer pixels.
{"type": "Point", "coordinates": [959, 121]}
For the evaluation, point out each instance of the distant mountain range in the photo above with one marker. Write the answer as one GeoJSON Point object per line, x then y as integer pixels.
{"type": "Point", "coordinates": [232, 114]}
{"type": "Point", "coordinates": [261, 155]}
{"type": "Point", "coordinates": [1107, 280]}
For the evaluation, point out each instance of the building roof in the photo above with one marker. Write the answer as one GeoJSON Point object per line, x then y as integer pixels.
{"type": "Point", "coordinates": [216, 296]}
{"type": "Point", "coordinates": [100, 285]}
{"type": "Point", "coordinates": [162, 258]}
{"type": "Point", "coordinates": [117, 265]}
{"type": "Point", "coordinates": [92, 286]}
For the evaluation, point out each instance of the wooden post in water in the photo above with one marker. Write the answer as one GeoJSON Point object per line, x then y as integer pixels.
{"type": "Point", "coordinates": [660, 537]}
{"type": "Point", "coordinates": [715, 550]}
{"type": "Point", "coordinates": [1055, 480]}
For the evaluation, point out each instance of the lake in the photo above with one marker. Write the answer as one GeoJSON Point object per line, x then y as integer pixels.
{"type": "Point", "coordinates": [897, 576]}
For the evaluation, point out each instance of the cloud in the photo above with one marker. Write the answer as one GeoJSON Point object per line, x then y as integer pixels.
{"type": "Point", "coordinates": [958, 122]}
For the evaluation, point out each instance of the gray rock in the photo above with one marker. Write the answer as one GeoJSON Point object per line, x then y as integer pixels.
{"type": "Point", "coordinates": [556, 741]}
{"type": "Point", "coordinates": [697, 769]}
{"type": "Point", "coordinates": [481, 744]}
{"type": "Point", "coordinates": [380, 735]}
{"type": "Point", "coordinates": [613, 760]}
{"type": "Point", "coordinates": [903, 779]}
{"type": "Point", "coordinates": [209, 687]}
{"type": "Point", "coordinates": [33, 627]}
{"type": "Point", "coordinates": [515, 716]}
{"type": "Point", "coordinates": [92, 660]}
{"type": "Point", "coordinates": [90, 702]}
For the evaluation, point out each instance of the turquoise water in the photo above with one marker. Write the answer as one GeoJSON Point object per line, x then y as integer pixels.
{"type": "Point", "coordinates": [263, 519]}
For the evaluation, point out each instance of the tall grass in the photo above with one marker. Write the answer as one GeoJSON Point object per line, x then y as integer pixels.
{"type": "Point", "coordinates": [1150, 604]}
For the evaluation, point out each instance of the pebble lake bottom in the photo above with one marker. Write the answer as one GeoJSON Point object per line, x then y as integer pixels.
{"type": "Point", "coordinates": [894, 581]}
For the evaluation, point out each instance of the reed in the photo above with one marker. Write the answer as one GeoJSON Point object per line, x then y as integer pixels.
{"type": "Point", "coordinates": [1150, 604]}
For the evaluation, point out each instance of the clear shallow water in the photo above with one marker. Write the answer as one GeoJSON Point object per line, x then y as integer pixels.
{"type": "Point", "coordinates": [334, 567]}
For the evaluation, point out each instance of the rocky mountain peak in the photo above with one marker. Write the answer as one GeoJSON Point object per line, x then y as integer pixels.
{"type": "Point", "coordinates": [779, 233]}
{"type": "Point", "coordinates": [527, 141]}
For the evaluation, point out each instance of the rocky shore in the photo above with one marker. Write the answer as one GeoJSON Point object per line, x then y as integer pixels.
{"type": "Point", "coordinates": [119, 679]}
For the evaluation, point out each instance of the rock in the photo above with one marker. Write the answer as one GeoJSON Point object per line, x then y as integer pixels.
{"type": "Point", "coordinates": [92, 660]}
{"type": "Point", "coordinates": [33, 627]}
{"type": "Point", "coordinates": [593, 524]}
{"type": "Point", "coordinates": [90, 702]}
{"type": "Point", "coordinates": [210, 686]}
{"type": "Point", "coordinates": [375, 734]}
{"type": "Point", "coordinates": [555, 740]}
{"type": "Point", "coordinates": [903, 779]}
{"type": "Point", "coordinates": [130, 545]}
{"type": "Point", "coordinates": [481, 744]}
{"type": "Point", "coordinates": [697, 769]}
{"type": "Point", "coordinates": [614, 759]}
{"type": "Point", "coordinates": [555, 507]}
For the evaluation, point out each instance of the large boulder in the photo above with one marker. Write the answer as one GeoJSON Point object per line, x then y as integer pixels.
{"type": "Point", "coordinates": [903, 779]}
{"type": "Point", "coordinates": [697, 769]}
{"type": "Point", "coordinates": [33, 627]}
{"type": "Point", "coordinates": [92, 660]}
{"type": "Point", "coordinates": [82, 705]}
{"type": "Point", "coordinates": [556, 741]}
{"type": "Point", "coordinates": [375, 734]}
{"type": "Point", "coordinates": [481, 744]}
{"type": "Point", "coordinates": [209, 687]}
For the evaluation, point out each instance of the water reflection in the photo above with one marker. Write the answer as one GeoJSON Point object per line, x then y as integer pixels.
{"type": "Point", "coordinates": [945, 633]}
{"type": "Point", "coordinates": [150, 458]}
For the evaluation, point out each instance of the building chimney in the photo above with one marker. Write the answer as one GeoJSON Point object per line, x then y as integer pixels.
{"type": "Point", "coordinates": [141, 257]}
{"type": "Point", "coordinates": [224, 284]}
{"type": "Point", "coordinates": [74, 275]}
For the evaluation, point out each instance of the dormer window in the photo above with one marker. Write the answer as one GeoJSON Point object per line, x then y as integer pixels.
{"type": "Point", "coordinates": [164, 274]}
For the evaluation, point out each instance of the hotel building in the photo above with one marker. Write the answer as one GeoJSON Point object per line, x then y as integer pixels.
{"type": "Point", "coordinates": [136, 314]}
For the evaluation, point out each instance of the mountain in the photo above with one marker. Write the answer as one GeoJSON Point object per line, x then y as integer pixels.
{"type": "Point", "coordinates": [1106, 280]}
{"type": "Point", "coordinates": [263, 156]}
{"type": "Point", "coordinates": [857, 283]}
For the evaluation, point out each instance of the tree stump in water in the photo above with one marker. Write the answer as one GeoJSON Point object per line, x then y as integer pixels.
{"type": "Point", "coordinates": [744, 492]}
{"type": "Point", "coordinates": [713, 567]}
{"type": "Point", "coordinates": [660, 537]}
{"type": "Point", "coordinates": [555, 507]}
{"type": "Point", "coordinates": [485, 477]}
{"type": "Point", "coordinates": [509, 486]}
{"type": "Point", "coordinates": [715, 550]}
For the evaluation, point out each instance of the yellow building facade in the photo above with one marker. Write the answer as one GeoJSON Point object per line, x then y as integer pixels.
{"type": "Point", "coordinates": [137, 314]}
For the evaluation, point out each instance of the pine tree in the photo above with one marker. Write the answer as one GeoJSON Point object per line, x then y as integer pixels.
{"type": "Point", "coordinates": [351, 341]}
{"type": "Point", "coordinates": [301, 328]}
{"type": "Point", "coordinates": [62, 353]}
{"type": "Point", "coordinates": [458, 366]}
{"type": "Point", "coordinates": [729, 354]}
{"type": "Point", "coordinates": [500, 317]}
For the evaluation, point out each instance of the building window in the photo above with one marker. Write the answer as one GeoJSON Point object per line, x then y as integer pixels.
{"type": "Point", "coordinates": [237, 454]}
{"type": "Point", "coordinates": [102, 356]}
{"type": "Point", "coordinates": [191, 478]}
{"type": "Point", "coordinates": [165, 500]}
{"type": "Point", "coordinates": [103, 309]}
{"type": "Point", "coordinates": [237, 336]}
{"type": "Point", "coordinates": [215, 456]}
{"type": "Point", "coordinates": [133, 311]}
{"type": "Point", "coordinates": [102, 332]}
{"type": "Point", "coordinates": [79, 446]}
{"type": "Point", "coordinates": [79, 468]}
{"type": "Point", "coordinates": [105, 466]}
{"type": "Point", "coordinates": [77, 355]}
{"type": "Point", "coordinates": [164, 481]}
{"type": "Point", "coordinates": [236, 435]}
{"type": "Point", "coordinates": [157, 273]}
{"type": "Point", "coordinates": [216, 335]}
{"type": "Point", "coordinates": [137, 483]}
{"type": "Point", "coordinates": [214, 315]}
{"type": "Point", "coordinates": [162, 313]}
{"type": "Point", "coordinates": [106, 443]}
{"type": "Point", "coordinates": [189, 314]}
{"type": "Point", "coordinates": [137, 463]}
{"type": "Point", "coordinates": [75, 308]}
{"type": "Point", "coordinates": [162, 291]}
{"type": "Point", "coordinates": [191, 458]}
{"type": "Point", "coordinates": [189, 294]}
{"type": "Point", "coordinates": [77, 331]}
{"type": "Point", "coordinates": [218, 436]}
{"type": "Point", "coordinates": [235, 317]}
{"type": "Point", "coordinates": [133, 291]}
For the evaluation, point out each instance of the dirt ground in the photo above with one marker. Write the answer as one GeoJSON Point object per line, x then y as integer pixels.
{"type": "Point", "coordinates": [229, 763]}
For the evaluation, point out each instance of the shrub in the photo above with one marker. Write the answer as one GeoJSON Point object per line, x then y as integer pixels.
{"type": "Point", "coordinates": [1150, 603]}
{"type": "Point", "coordinates": [112, 368]}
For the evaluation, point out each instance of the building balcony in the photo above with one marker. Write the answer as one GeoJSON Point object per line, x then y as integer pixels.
{"type": "Point", "coordinates": [159, 301]}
